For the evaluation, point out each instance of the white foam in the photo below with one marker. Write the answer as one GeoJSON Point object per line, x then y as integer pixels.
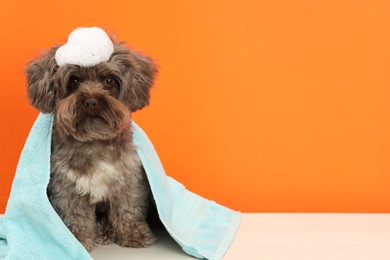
{"type": "Point", "coordinates": [86, 46]}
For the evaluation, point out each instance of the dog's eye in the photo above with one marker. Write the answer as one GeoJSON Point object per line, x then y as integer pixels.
{"type": "Point", "coordinates": [74, 82]}
{"type": "Point", "coordinates": [109, 82]}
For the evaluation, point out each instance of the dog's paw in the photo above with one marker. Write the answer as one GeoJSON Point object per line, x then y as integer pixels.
{"type": "Point", "coordinates": [88, 244]}
{"type": "Point", "coordinates": [104, 239]}
{"type": "Point", "coordinates": [140, 240]}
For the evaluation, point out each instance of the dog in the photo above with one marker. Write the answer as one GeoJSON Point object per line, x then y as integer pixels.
{"type": "Point", "coordinates": [97, 183]}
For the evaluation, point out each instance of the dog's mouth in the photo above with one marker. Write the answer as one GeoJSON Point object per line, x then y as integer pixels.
{"type": "Point", "coordinates": [88, 117]}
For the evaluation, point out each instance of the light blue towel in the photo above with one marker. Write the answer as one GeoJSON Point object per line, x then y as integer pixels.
{"type": "Point", "coordinates": [31, 229]}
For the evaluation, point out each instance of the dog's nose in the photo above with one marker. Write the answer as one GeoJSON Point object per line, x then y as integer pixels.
{"type": "Point", "coordinates": [91, 103]}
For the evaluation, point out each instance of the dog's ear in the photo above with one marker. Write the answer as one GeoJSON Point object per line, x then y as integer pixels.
{"type": "Point", "coordinates": [40, 84]}
{"type": "Point", "coordinates": [138, 74]}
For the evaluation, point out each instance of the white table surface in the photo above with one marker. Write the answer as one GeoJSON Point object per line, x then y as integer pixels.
{"type": "Point", "coordinates": [285, 236]}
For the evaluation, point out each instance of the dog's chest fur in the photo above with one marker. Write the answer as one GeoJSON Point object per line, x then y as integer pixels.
{"type": "Point", "coordinates": [97, 181]}
{"type": "Point", "coordinates": [97, 169]}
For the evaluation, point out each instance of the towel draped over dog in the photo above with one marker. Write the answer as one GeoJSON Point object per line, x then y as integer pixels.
{"type": "Point", "coordinates": [31, 229]}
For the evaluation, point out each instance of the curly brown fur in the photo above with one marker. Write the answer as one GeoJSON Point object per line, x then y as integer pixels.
{"type": "Point", "coordinates": [97, 184]}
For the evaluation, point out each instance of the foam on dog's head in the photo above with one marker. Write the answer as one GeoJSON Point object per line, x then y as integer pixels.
{"type": "Point", "coordinates": [85, 47]}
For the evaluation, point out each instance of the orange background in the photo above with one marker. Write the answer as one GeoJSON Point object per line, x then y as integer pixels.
{"type": "Point", "coordinates": [267, 106]}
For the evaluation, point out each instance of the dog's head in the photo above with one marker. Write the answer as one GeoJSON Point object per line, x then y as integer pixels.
{"type": "Point", "coordinates": [91, 102]}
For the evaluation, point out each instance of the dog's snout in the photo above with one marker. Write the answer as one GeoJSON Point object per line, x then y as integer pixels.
{"type": "Point", "coordinates": [91, 103]}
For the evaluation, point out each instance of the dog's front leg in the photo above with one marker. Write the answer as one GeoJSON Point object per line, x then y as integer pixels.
{"type": "Point", "coordinates": [78, 215]}
{"type": "Point", "coordinates": [82, 222]}
{"type": "Point", "coordinates": [129, 224]}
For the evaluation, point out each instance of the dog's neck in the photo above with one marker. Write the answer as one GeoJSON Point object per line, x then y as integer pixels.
{"type": "Point", "coordinates": [81, 156]}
